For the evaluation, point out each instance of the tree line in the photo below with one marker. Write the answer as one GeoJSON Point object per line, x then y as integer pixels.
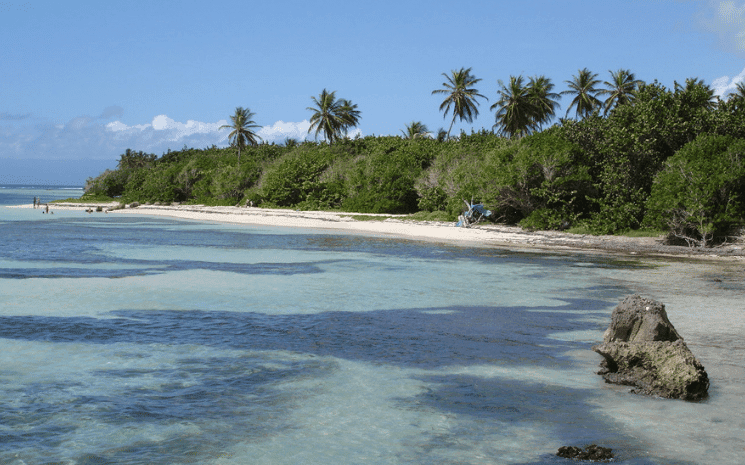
{"type": "Point", "coordinates": [643, 157]}
{"type": "Point", "coordinates": [522, 108]}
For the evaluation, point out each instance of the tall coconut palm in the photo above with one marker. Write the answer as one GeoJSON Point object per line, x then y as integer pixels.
{"type": "Point", "coordinates": [583, 87]}
{"type": "Point", "coordinates": [331, 116]}
{"type": "Point", "coordinates": [242, 126]}
{"type": "Point", "coordinates": [543, 99]}
{"type": "Point", "coordinates": [461, 96]}
{"type": "Point", "coordinates": [620, 89]}
{"type": "Point", "coordinates": [415, 130]}
{"type": "Point", "coordinates": [349, 114]}
{"type": "Point", "coordinates": [514, 110]}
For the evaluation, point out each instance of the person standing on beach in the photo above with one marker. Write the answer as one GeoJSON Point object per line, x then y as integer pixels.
{"type": "Point", "coordinates": [34, 201]}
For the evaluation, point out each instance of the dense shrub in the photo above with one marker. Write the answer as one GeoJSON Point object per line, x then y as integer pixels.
{"type": "Point", "coordinates": [296, 177]}
{"type": "Point", "coordinates": [547, 182]}
{"type": "Point", "coordinates": [463, 170]}
{"type": "Point", "coordinates": [628, 148]}
{"type": "Point", "coordinates": [383, 180]}
{"type": "Point", "coordinates": [603, 174]}
{"type": "Point", "coordinates": [699, 195]}
{"type": "Point", "coordinates": [514, 178]}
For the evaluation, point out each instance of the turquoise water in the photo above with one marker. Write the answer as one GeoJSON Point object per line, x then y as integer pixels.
{"type": "Point", "coordinates": [148, 340]}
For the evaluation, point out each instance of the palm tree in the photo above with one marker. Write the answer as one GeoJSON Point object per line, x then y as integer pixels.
{"type": "Point", "coordinates": [514, 110]}
{"type": "Point", "coordinates": [700, 92]}
{"type": "Point", "coordinates": [738, 92]}
{"type": "Point", "coordinates": [460, 95]}
{"type": "Point", "coordinates": [415, 130]}
{"type": "Point", "coordinates": [331, 116]}
{"type": "Point", "coordinates": [583, 86]}
{"type": "Point", "coordinates": [132, 159]}
{"type": "Point", "coordinates": [543, 99]}
{"type": "Point", "coordinates": [620, 89]}
{"type": "Point", "coordinates": [350, 114]}
{"type": "Point", "coordinates": [242, 129]}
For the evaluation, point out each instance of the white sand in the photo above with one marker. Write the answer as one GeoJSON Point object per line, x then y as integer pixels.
{"type": "Point", "coordinates": [395, 226]}
{"type": "Point", "coordinates": [398, 226]}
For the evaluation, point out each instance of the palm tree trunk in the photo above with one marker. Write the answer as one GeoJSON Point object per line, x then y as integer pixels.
{"type": "Point", "coordinates": [451, 125]}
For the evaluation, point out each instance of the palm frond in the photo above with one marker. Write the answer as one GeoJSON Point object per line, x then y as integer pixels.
{"type": "Point", "coordinates": [461, 96]}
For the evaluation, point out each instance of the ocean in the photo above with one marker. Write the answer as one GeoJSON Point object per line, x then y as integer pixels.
{"type": "Point", "coordinates": [148, 340]}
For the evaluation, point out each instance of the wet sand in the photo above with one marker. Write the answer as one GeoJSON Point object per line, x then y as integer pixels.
{"type": "Point", "coordinates": [399, 226]}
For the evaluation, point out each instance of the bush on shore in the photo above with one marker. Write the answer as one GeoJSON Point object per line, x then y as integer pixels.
{"type": "Point", "coordinates": [699, 194]}
{"type": "Point", "coordinates": [645, 164]}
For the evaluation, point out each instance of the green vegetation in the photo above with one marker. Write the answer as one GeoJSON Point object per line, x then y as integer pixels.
{"type": "Point", "coordinates": [620, 89]}
{"type": "Point", "coordinates": [582, 86]}
{"type": "Point", "coordinates": [367, 217]}
{"type": "Point", "coordinates": [87, 198]}
{"type": "Point", "coordinates": [415, 130]}
{"type": "Point", "coordinates": [332, 117]}
{"type": "Point", "coordinates": [242, 126]}
{"type": "Point", "coordinates": [461, 97]}
{"type": "Point", "coordinates": [700, 192]}
{"type": "Point", "coordinates": [655, 161]}
{"type": "Point", "coordinates": [523, 109]}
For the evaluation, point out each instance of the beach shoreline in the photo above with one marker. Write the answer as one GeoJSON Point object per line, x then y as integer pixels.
{"type": "Point", "coordinates": [493, 235]}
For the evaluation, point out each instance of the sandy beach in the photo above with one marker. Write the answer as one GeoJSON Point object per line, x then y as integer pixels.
{"type": "Point", "coordinates": [398, 226]}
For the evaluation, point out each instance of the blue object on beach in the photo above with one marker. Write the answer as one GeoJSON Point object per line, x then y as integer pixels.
{"type": "Point", "coordinates": [475, 213]}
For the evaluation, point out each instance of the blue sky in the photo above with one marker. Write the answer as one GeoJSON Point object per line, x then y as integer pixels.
{"type": "Point", "coordinates": [82, 81]}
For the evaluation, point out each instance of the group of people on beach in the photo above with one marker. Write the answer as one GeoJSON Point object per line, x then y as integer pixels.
{"type": "Point", "coordinates": [37, 204]}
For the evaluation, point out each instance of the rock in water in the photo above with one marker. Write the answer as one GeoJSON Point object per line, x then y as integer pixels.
{"type": "Point", "coordinates": [641, 348]}
{"type": "Point", "coordinates": [592, 452]}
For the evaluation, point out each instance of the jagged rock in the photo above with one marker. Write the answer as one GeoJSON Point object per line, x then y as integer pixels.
{"type": "Point", "coordinates": [591, 452]}
{"type": "Point", "coordinates": [134, 205]}
{"type": "Point", "coordinates": [641, 348]}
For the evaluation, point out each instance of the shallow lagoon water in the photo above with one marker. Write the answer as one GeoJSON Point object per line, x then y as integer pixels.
{"type": "Point", "coordinates": [149, 340]}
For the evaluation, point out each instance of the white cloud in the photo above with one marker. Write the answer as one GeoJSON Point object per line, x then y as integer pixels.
{"type": "Point", "coordinates": [724, 85]}
{"type": "Point", "coordinates": [162, 128]}
{"type": "Point", "coordinates": [95, 138]}
{"type": "Point", "coordinates": [281, 131]}
{"type": "Point", "coordinates": [727, 20]}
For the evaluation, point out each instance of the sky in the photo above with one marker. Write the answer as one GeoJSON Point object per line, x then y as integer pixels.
{"type": "Point", "coordinates": [80, 81]}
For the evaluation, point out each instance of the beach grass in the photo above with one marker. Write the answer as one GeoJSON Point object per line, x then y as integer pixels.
{"type": "Point", "coordinates": [87, 199]}
{"type": "Point", "coordinates": [584, 230]}
{"type": "Point", "coordinates": [419, 216]}
{"type": "Point", "coordinates": [367, 217]}
{"type": "Point", "coordinates": [431, 216]}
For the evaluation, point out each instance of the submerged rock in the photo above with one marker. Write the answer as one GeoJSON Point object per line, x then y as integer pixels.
{"type": "Point", "coordinates": [641, 348]}
{"type": "Point", "coordinates": [591, 452]}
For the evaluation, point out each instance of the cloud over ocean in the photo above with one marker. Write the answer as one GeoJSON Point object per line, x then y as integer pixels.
{"type": "Point", "coordinates": [38, 151]}
{"type": "Point", "coordinates": [95, 138]}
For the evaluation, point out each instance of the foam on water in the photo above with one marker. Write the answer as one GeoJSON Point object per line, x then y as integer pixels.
{"type": "Point", "coordinates": [159, 341]}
